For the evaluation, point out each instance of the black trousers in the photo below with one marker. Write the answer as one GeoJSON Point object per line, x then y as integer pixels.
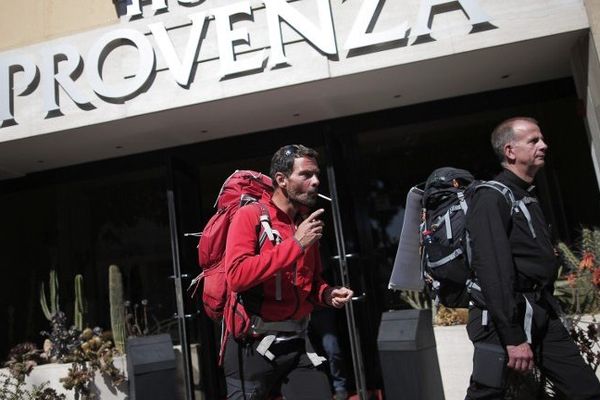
{"type": "Point", "coordinates": [556, 355]}
{"type": "Point", "coordinates": [251, 376]}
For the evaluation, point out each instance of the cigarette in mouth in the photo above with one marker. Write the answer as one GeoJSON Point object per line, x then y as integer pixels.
{"type": "Point", "coordinates": [324, 197]}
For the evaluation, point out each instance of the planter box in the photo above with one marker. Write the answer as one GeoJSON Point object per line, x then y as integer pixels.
{"type": "Point", "coordinates": [52, 373]}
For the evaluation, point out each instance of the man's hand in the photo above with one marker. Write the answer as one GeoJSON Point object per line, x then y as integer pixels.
{"type": "Point", "coordinates": [310, 230]}
{"type": "Point", "coordinates": [520, 358]}
{"type": "Point", "coordinates": [337, 297]}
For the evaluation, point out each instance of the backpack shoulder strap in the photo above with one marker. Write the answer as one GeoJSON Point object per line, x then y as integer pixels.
{"type": "Point", "coordinates": [516, 206]}
{"type": "Point", "coordinates": [500, 188]}
{"type": "Point", "coordinates": [265, 230]}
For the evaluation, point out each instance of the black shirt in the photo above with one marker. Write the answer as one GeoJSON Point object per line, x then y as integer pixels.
{"type": "Point", "coordinates": [507, 259]}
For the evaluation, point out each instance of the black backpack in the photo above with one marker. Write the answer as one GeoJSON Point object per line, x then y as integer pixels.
{"type": "Point", "coordinates": [444, 241]}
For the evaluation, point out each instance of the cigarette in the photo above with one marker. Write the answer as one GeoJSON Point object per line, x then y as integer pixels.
{"type": "Point", "coordinates": [324, 197]}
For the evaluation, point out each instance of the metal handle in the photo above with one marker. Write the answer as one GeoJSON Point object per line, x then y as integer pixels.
{"type": "Point", "coordinates": [182, 276]}
{"type": "Point", "coordinates": [360, 297]}
{"type": "Point", "coordinates": [351, 255]}
{"type": "Point", "coordinates": [195, 234]}
{"type": "Point", "coordinates": [185, 316]}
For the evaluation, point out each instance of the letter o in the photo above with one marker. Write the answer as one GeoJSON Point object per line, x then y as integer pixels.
{"type": "Point", "coordinates": [128, 86]}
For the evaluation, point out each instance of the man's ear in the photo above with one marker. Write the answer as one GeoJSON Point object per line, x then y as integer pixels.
{"type": "Point", "coordinates": [509, 154]}
{"type": "Point", "coordinates": [281, 179]}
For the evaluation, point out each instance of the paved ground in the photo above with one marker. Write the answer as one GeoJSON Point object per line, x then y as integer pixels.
{"type": "Point", "coordinates": [455, 355]}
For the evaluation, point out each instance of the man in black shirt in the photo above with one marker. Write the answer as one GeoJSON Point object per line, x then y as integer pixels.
{"type": "Point", "coordinates": [514, 261]}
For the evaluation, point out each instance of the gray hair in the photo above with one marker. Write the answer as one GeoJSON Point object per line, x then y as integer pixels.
{"type": "Point", "coordinates": [504, 133]}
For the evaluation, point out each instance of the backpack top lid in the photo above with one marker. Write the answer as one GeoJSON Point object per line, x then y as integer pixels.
{"type": "Point", "coordinates": [243, 182]}
{"type": "Point", "coordinates": [440, 183]}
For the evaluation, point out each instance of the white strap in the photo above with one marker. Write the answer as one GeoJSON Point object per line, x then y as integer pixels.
{"type": "Point", "coordinates": [316, 359]}
{"type": "Point", "coordinates": [528, 319]}
{"type": "Point", "coordinates": [442, 261]}
{"type": "Point", "coordinates": [264, 220]}
{"type": "Point", "coordinates": [448, 225]}
{"type": "Point", "coordinates": [462, 202]}
{"type": "Point", "coordinates": [263, 347]}
{"type": "Point", "coordinates": [527, 214]}
{"type": "Point", "coordinates": [472, 285]}
{"type": "Point", "coordinates": [484, 317]}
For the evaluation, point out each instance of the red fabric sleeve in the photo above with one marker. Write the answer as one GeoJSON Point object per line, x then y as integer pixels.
{"type": "Point", "coordinates": [244, 267]}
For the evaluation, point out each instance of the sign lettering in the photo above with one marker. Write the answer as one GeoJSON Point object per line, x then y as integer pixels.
{"type": "Point", "coordinates": [61, 65]}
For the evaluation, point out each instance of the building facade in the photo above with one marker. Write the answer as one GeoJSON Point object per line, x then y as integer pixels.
{"type": "Point", "coordinates": [119, 122]}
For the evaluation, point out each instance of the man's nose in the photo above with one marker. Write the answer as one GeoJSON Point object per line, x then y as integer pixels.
{"type": "Point", "coordinates": [543, 144]}
{"type": "Point", "coordinates": [315, 181]}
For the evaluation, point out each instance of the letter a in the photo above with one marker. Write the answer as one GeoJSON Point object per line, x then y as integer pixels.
{"type": "Point", "coordinates": [471, 8]}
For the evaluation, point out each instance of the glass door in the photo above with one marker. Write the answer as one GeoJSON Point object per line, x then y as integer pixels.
{"type": "Point", "coordinates": [195, 331]}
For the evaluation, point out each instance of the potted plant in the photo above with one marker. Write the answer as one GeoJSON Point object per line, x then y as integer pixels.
{"type": "Point", "coordinates": [73, 359]}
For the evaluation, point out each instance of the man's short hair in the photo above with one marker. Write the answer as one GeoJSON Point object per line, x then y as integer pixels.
{"type": "Point", "coordinates": [283, 159]}
{"type": "Point", "coordinates": [504, 133]}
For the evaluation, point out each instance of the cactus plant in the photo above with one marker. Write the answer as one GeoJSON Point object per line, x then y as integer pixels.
{"type": "Point", "coordinates": [79, 307]}
{"type": "Point", "coordinates": [578, 285]}
{"type": "Point", "coordinates": [51, 309]}
{"type": "Point", "coordinates": [117, 310]}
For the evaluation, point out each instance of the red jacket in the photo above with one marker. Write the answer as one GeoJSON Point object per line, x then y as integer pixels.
{"type": "Point", "coordinates": [301, 283]}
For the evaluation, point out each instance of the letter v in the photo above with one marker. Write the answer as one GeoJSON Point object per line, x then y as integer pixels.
{"type": "Point", "coordinates": [181, 70]}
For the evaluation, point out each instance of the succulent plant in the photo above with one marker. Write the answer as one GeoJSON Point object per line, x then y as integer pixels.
{"type": "Point", "coordinates": [63, 339]}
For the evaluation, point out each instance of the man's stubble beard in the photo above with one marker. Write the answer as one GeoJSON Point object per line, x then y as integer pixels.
{"type": "Point", "coordinates": [306, 201]}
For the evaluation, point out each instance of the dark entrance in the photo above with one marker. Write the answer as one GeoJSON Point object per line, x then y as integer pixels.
{"type": "Point", "coordinates": [135, 212]}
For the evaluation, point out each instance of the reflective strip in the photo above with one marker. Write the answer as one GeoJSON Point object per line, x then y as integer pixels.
{"type": "Point", "coordinates": [448, 225]}
{"type": "Point", "coordinates": [442, 261]}
{"type": "Point", "coordinates": [528, 319]}
{"type": "Point", "coordinates": [462, 202]}
{"type": "Point", "coordinates": [529, 200]}
{"type": "Point", "coordinates": [280, 339]}
{"type": "Point", "coordinates": [261, 239]}
{"type": "Point", "coordinates": [473, 285]}
{"type": "Point", "coordinates": [263, 347]}
{"type": "Point", "coordinates": [440, 220]}
{"type": "Point", "coordinates": [455, 207]}
{"type": "Point", "coordinates": [315, 359]}
{"type": "Point", "coordinates": [484, 317]}
{"type": "Point", "coordinates": [527, 215]}
{"type": "Point", "coordinates": [502, 188]}
{"type": "Point", "coordinates": [517, 206]}
{"type": "Point", "coordinates": [264, 220]}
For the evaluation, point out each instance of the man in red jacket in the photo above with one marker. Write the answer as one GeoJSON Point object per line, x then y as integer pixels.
{"type": "Point", "coordinates": [279, 280]}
